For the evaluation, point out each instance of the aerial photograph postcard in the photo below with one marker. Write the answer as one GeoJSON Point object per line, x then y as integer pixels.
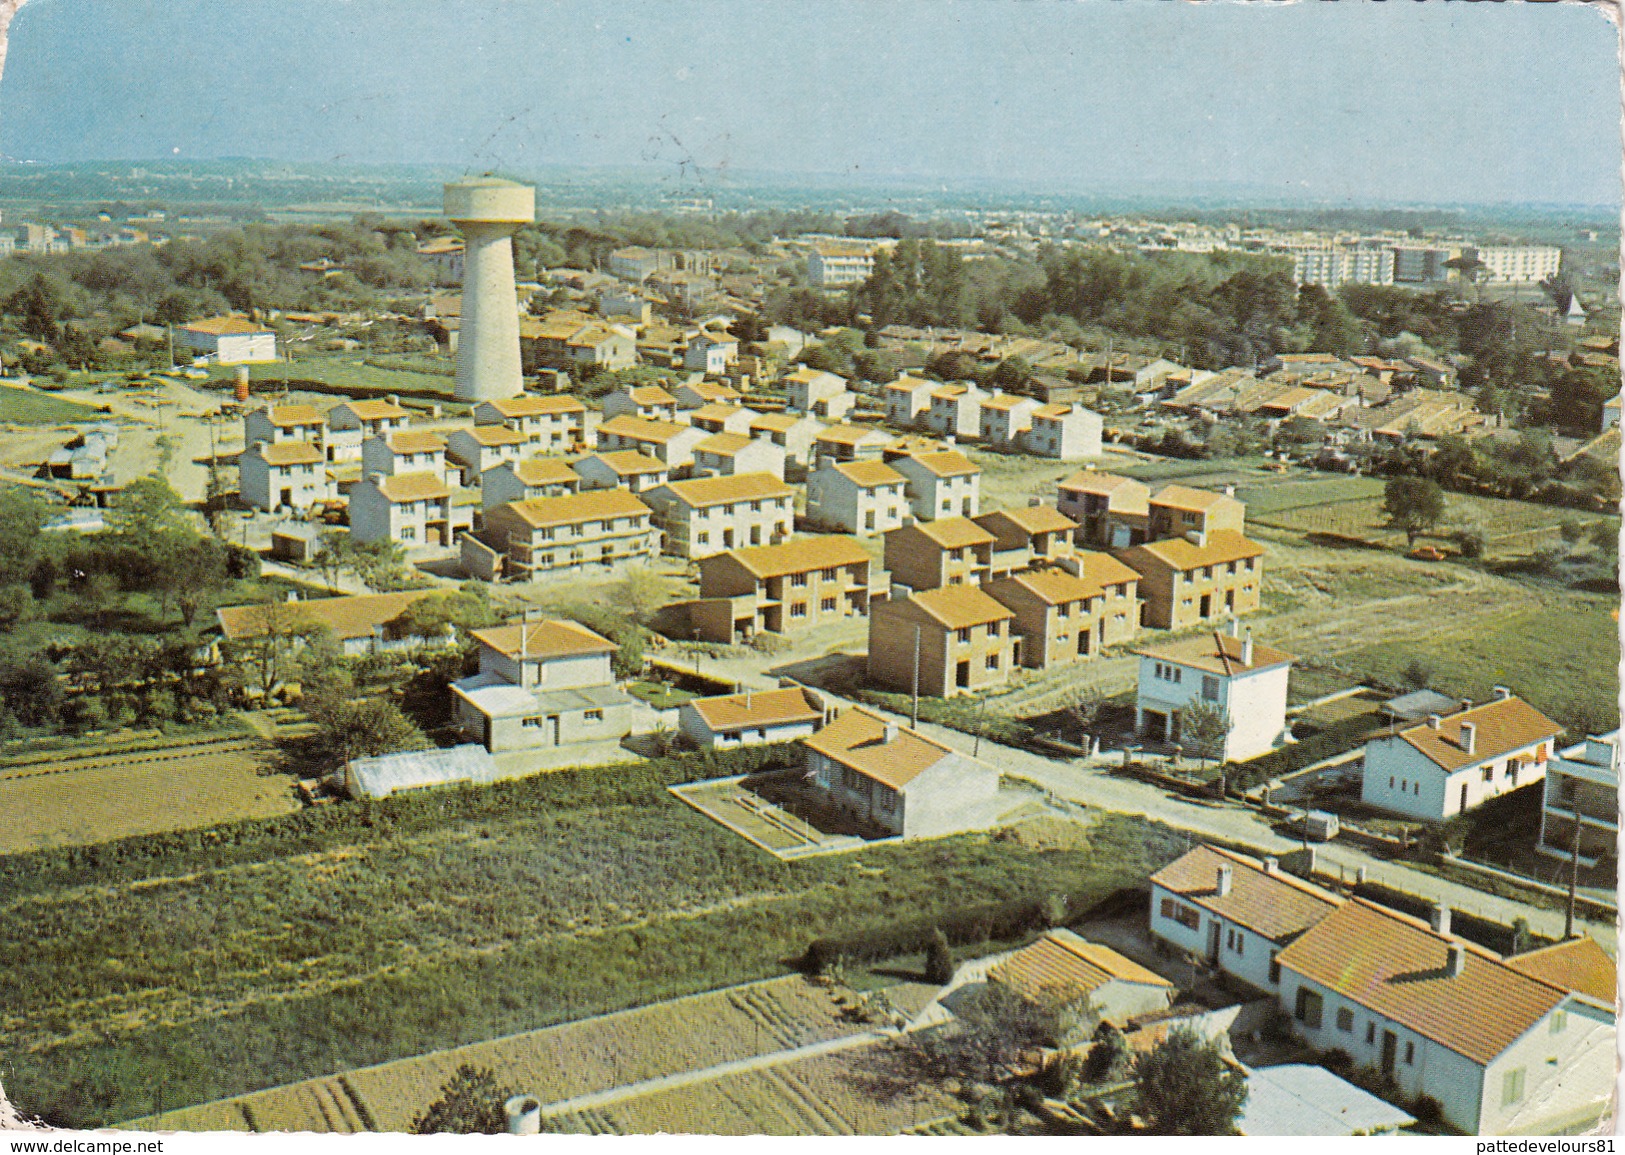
{"type": "Point", "coordinates": [911, 567]}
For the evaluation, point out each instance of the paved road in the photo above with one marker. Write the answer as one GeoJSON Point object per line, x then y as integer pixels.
{"type": "Point", "coordinates": [1096, 786]}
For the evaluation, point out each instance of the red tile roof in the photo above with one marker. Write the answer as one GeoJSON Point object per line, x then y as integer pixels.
{"type": "Point", "coordinates": [1274, 905]}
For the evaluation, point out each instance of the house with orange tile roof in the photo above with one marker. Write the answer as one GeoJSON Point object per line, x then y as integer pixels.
{"type": "Point", "coordinates": [407, 451]}
{"type": "Point", "coordinates": [547, 535]}
{"type": "Point", "coordinates": [929, 555]}
{"type": "Point", "coordinates": [277, 423]}
{"type": "Point", "coordinates": [650, 402]}
{"type": "Point", "coordinates": [414, 509]}
{"type": "Point", "coordinates": [722, 417]}
{"type": "Point", "coordinates": [550, 424]}
{"type": "Point", "coordinates": [359, 623]}
{"type": "Point", "coordinates": [1063, 616]}
{"type": "Point", "coordinates": [285, 475]}
{"type": "Point", "coordinates": [1063, 969]}
{"type": "Point", "coordinates": [1234, 912]}
{"type": "Point", "coordinates": [1064, 432]}
{"type": "Point", "coordinates": [942, 642]}
{"type": "Point", "coordinates": [542, 684]}
{"type": "Point", "coordinates": [1194, 514]}
{"type": "Point", "coordinates": [955, 410]}
{"type": "Point", "coordinates": [1448, 764]}
{"type": "Point", "coordinates": [697, 394]}
{"type": "Point", "coordinates": [729, 454]}
{"type": "Point", "coordinates": [943, 483]}
{"type": "Point", "coordinates": [708, 515]}
{"type": "Point", "coordinates": [850, 443]}
{"type": "Point", "coordinates": [710, 352]}
{"type": "Point", "coordinates": [1006, 418]}
{"type": "Point", "coordinates": [674, 444]}
{"type": "Point", "coordinates": [1112, 512]}
{"type": "Point", "coordinates": [907, 399]}
{"type": "Point", "coordinates": [527, 478]}
{"type": "Point", "coordinates": [626, 469]}
{"type": "Point", "coordinates": [750, 718]}
{"type": "Point", "coordinates": [898, 779]}
{"type": "Point", "coordinates": [818, 394]}
{"type": "Point", "coordinates": [482, 448]}
{"type": "Point", "coordinates": [791, 432]}
{"type": "Point", "coordinates": [1503, 1049]}
{"type": "Point", "coordinates": [857, 497]}
{"type": "Point", "coordinates": [231, 340]}
{"type": "Point", "coordinates": [1244, 680]}
{"type": "Point", "coordinates": [1185, 584]}
{"type": "Point", "coordinates": [1027, 535]}
{"type": "Point", "coordinates": [350, 423]}
{"type": "Point", "coordinates": [782, 589]}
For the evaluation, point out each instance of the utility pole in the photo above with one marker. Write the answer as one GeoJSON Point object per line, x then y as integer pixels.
{"type": "Point", "coordinates": [1574, 872]}
{"type": "Point", "coordinates": [914, 712]}
{"type": "Point", "coordinates": [981, 724]}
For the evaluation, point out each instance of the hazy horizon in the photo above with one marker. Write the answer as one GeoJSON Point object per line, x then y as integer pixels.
{"type": "Point", "coordinates": [1349, 104]}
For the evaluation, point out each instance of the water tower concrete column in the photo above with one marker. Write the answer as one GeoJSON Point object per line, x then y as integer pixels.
{"type": "Point", "coordinates": [489, 212]}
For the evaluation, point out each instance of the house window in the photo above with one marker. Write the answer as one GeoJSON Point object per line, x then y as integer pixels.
{"type": "Point", "coordinates": [1489, 773]}
{"type": "Point", "coordinates": [964, 634]}
{"type": "Point", "coordinates": [1308, 1007]}
{"type": "Point", "coordinates": [1275, 969]}
{"type": "Point", "coordinates": [409, 533]}
{"type": "Point", "coordinates": [827, 605]}
{"type": "Point", "coordinates": [798, 610]}
{"type": "Point", "coordinates": [592, 716]}
{"type": "Point", "coordinates": [1560, 1022]}
{"type": "Point", "coordinates": [830, 575]}
{"type": "Point", "coordinates": [534, 723]}
{"type": "Point", "coordinates": [1410, 1054]}
{"type": "Point", "coordinates": [993, 661]}
{"type": "Point", "coordinates": [1512, 1087]}
{"type": "Point", "coordinates": [703, 538]}
{"type": "Point", "coordinates": [1210, 688]}
{"type": "Point", "coordinates": [1370, 1034]}
{"type": "Point", "coordinates": [1345, 1019]}
{"type": "Point", "coordinates": [1178, 912]}
{"type": "Point", "coordinates": [798, 580]}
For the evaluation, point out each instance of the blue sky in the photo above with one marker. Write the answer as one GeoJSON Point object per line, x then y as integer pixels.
{"type": "Point", "coordinates": [1373, 102]}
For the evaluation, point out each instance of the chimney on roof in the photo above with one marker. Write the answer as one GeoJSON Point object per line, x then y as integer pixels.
{"type": "Point", "coordinates": [1230, 491]}
{"type": "Point", "coordinates": [375, 478]}
{"type": "Point", "coordinates": [950, 441]}
{"type": "Point", "coordinates": [1247, 649]}
{"type": "Point", "coordinates": [1221, 883]}
{"type": "Point", "coordinates": [1235, 627]}
{"type": "Point", "coordinates": [1272, 866]}
{"type": "Point", "coordinates": [1439, 918]}
{"type": "Point", "coordinates": [435, 412]}
{"type": "Point", "coordinates": [1433, 721]}
{"type": "Point", "coordinates": [1469, 737]}
{"type": "Point", "coordinates": [1458, 960]}
{"type": "Point", "coordinates": [1465, 703]}
{"type": "Point", "coordinates": [393, 398]}
{"type": "Point", "coordinates": [1196, 537]}
{"type": "Point", "coordinates": [889, 733]}
{"type": "Point", "coordinates": [1502, 693]}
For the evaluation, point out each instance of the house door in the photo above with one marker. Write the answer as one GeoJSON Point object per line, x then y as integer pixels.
{"type": "Point", "coordinates": [553, 727]}
{"type": "Point", "coordinates": [1213, 942]}
{"type": "Point", "coordinates": [962, 675]}
{"type": "Point", "coordinates": [1083, 642]}
{"type": "Point", "coordinates": [1207, 605]}
{"type": "Point", "coordinates": [286, 498]}
{"type": "Point", "coordinates": [1230, 601]}
{"type": "Point", "coordinates": [1390, 1048]}
{"type": "Point", "coordinates": [1463, 806]}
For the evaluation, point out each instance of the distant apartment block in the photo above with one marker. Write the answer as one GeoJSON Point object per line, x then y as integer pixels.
{"type": "Point", "coordinates": [1183, 584]}
{"type": "Point", "coordinates": [785, 588]}
{"type": "Point", "coordinates": [527, 539]}
{"type": "Point", "coordinates": [710, 515]}
{"type": "Point", "coordinates": [832, 266]}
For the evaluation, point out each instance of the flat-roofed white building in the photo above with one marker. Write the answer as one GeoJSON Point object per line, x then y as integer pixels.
{"type": "Point", "coordinates": [1582, 786]}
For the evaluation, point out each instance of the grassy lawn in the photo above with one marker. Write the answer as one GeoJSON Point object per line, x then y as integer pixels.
{"type": "Point", "coordinates": [1563, 657]}
{"type": "Point", "coordinates": [181, 968]}
{"type": "Point", "coordinates": [1267, 496]}
{"type": "Point", "coordinates": [26, 407]}
{"type": "Point", "coordinates": [348, 373]}
{"type": "Point", "coordinates": [659, 694]}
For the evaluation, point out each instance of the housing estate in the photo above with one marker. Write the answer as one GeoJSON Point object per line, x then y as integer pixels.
{"type": "Point", "coordinates": [709, 515]}
{"type": "Point", "coordinates": [523, 539]}
{"type": "Point", "coordinates": [784, 588]}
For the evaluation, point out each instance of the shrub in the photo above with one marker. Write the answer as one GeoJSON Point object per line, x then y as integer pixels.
{"type": "Point", "coordinates": [939, 959]}
{"type": "Point", "coordinates": [1428, 1111]}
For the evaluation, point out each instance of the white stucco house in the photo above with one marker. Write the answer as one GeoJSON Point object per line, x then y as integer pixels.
{"type": "Point", "coordinates": [751, 718]}
{"type": "Point", "coordinates": [1244, 680]}
{"type": "Point", "coordinates": [858, 497]}
{"type": "Point", "coordinates": [287, 475]}
{"type": "Point", "coordinates": [1448, 764]}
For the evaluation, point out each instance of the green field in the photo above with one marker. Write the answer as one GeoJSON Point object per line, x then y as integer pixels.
{"type": "Point", "coordinates": [349, 373]}
{"type": "Point", "coordinates": [27, 407]}
{"type": "Point", "coordinates": [176, 969]}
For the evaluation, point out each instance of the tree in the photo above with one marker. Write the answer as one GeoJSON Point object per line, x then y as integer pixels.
{"type": "Point", "coordinates": [1418, 675]}
{"type": "Point", "coordinates": [1413, 504]}
{"type": "Point", "coordinates": [1111, 1058]}
{"type": "Point", "coordinates": [993, 1028]}
{"type": "Point", "coordinates": [639, 594]}
{"type": "Point", "coordinates": [470, 1103]}
{"type": "Point", "coordinates": [1203, 727]}
{"type": "Point", "coordinates": [939, 959]}
{"type": "Point", "coordinates": [381, 564]}
{"type": "Point", "coordinates": [332, 557]}
{"type": "Point", "coordinates": [268, 634]}
{"type": "Point", "coordinates": [22, 513]}
{"type": "Point", "coordinates": [146, 509]}
{"type": "Point", "coordinates": [1185, 1087]}
{"type": "Point", "coordinates": [365, 729]}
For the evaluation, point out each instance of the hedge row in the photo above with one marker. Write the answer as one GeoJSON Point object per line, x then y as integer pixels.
{"type": "Point", "coordinates": [1336, 738]}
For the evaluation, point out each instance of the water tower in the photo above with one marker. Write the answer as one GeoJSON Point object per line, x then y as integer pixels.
{"type": "Point", "coordinates": [489, 212]}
